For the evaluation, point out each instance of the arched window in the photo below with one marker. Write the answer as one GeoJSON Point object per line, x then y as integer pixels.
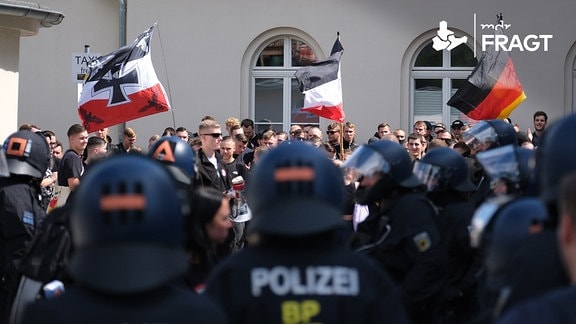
{"type": "Point", "coordinates": [434, 78]}
{"type": "Point", "coordinates": [276, 98]}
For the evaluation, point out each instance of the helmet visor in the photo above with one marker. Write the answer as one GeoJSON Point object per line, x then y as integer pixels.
{"type": "Point", "coordinates": [4, 171]}
{"type": "Point", "coordinates": [479, 134]}
{"type": "Point", "coordinates": [365, 162]}
{"type": "Point", "coordinates": [500, 163]}
{"type": "Point", "coordinates": [431, 175]}
{"type": "Point", "coordinates": [480, 220]}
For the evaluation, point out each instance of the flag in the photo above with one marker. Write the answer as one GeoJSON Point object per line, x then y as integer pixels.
{"type": "Point", "coordinates": [322, 87]}
{"type": "Point", "coordinates": [492, 90]}
{"type": "Point", "coordinates": [122, 86]}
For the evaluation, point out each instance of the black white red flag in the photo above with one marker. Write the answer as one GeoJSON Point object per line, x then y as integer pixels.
{"type": "Point", "coordinates": [122, 86]}
{"type": "Point", "coordinates": [321, 85]}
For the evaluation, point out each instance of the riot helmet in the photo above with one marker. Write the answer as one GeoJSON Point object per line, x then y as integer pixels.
{"type": "Point", "coordinates": [128, 226]}
{"type": "Point", "coordinates": [27, 153]}
{"type": "Point", "coordinates": [489, 134]}
{"type": "Point", "coordinates": [515, 222]}
{"type": "Point", "coordinates": [383, 156]}
{"type": "Point", "coordinates": [442, 169]}
{"type": "Point", "coordinates": [177, 155]}
{"type": "Point", "coordinates": [387, 158]}
{"type": "Point", "coordinates": [295, 190]}
{"type": "Point", "coordinates": [511, 164]}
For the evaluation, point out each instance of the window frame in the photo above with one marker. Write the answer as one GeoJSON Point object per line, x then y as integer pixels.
{"type": "Point", "coordinates": [445, 73]}
{"type": "Point", "coordinates": [286, 72]}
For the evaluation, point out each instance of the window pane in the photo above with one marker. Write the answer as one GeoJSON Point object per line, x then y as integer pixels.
{"type": "Point", "coordinates": [298, 116]}
{"type": "Point", "coordinates": [268, 100]}
{"type": "Point", "coordinates": [455, 113]}
{"type": "Point", "coordinates": [302, 54]}
{"type": "Point", "coordinates": [428, 56]}
{"type": "Point", "coordinates": [428, 99]}
{"type": "Point", "coordinates": [272, 55]}
{"type": "Point", "coordinates": [462, 56]}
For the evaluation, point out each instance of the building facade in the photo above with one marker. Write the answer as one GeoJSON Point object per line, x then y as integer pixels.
{"type": "Point", "coordinates": [237, 58]}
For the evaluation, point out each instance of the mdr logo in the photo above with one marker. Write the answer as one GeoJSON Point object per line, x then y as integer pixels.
{"type": "Point", "coordinates": [500, 36]}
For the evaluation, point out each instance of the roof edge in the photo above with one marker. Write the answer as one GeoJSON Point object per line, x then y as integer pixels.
{"type": "Point", "coordinates": [47, 17]}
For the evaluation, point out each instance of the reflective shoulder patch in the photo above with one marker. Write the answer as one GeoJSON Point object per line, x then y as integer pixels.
{"type": "Point", "coordinates": [422, 241]}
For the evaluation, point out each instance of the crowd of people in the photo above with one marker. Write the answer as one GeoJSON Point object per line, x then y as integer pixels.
{"type": "Point", "coordinates": [242, 223]}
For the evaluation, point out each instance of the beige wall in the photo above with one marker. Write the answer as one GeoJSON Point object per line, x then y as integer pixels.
{"type": "Point", "coordinates": [9, 45]}
{"type": "Point", "coordinates": [200, 47]}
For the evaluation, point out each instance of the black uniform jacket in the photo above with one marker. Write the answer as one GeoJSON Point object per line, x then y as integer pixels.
{"type": "Point", "coordinates": [304, 283]}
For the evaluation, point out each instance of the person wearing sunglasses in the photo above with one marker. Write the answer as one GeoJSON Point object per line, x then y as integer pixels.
{"type": "Point", "coordinates": [334, 133]}
{"type": "Point", "coordinates": [211, 169]}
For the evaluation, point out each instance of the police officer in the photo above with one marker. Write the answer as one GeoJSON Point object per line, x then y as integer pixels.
{"type": "Point", "coordinates": [558, 305]}
{"type": "Point", "coordinates": [128, 234]}
{"type": "Point", "coordinates": [296, 273]}
{"type": "Point", "coordinates": [516, 222]}
{"type": "Point", "coordinates": [484, 136]}
{"type": "Point", "coordinates": [539, 256]}
{"type": "Point", "coordinates": [400, 232]}
{"type": "Point", "coordinates": [509, 169]}
{"type": "Point", "coordinates": [27, 156]}
{"type": "Point", "coordinates": [178, 157]}
{"type": "Point", "coordinates": [445, 174]}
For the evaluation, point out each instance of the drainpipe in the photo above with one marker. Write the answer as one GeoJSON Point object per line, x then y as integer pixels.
{"type": "Point", "coordinates": [122, 4]}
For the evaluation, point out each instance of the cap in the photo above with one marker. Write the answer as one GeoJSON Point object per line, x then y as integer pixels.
{"type": "Point", "coordinates": [457, 124]}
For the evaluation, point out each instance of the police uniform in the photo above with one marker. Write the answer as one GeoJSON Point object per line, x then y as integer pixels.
{"type": "Point", "coordinates": [27, 159]}
{"type": "Point", "coordinates": [128, 235]}
{"type": "Point", "coordinates": [464, 262]}
{"type": "Point", "coordinates": [297, 273]}
{"type": "Point", "coordinates": [411, 252]}
{"type": "Point", "coordinates": [20, 215]}
{"type": "Point", "coordinates": [164, 305]}
{"type": "Point", "coordinates": [554, 307]}
{"type": "Point", "coordinates": [304, 281]}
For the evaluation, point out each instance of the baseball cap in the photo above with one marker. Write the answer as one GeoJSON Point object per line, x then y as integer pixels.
{"type": "Point", "coordinates": [457, 124]}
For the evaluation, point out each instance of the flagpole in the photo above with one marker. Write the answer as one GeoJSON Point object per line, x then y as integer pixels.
{"type": "Point", "coordinates": [342, 142]}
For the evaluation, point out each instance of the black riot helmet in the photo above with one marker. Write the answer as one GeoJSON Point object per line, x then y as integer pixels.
{"type": "Point", "coordinates": [389, 159]}
{"type": "Point", "coordinates": [384, 156]}
{"type": "Point", "coordinates": [556, 157]}
{"type": "Point", "coordinates": [27, 153]}
{"type": "Point", "coordinates": [511, 164]}
{"type": "Point", "coordinates": [489, 134]}
{"type": "Point", "coordinates": [442, 169]}
{"type": "Point", "coordinates": [128, 226]}
{"type": "Point", "coordinates": [177, 155]}
{"type": "Point", "coordinates": [514, 223]}
{"type": "Point", "coordinates": [295, 190]}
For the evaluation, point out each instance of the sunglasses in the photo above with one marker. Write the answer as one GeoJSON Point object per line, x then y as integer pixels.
{"type": "Point", "coordinates": [215, 135]}
{"type": "Point", "coordinates": [331, 132]}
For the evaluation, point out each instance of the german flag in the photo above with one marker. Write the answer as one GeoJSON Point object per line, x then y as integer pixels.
{"type": "Point", "coordinates": [492, 90]}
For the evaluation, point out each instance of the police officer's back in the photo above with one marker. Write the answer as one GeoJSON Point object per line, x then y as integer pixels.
{"type": "Point", "coordinates": [295, 274]}
{"type": "Point", "coordinates": [445, 174]}
{"type": "Point", "coordinates": [483, 136]}
{"type": "Point", "coordinates": [400, 232]}
{"type": "Point", "coordinates": [27, 157]}
{"type": "Point", "coordinates": [128, 233]}
{"type": "Point", "coordinates": [541, 255]}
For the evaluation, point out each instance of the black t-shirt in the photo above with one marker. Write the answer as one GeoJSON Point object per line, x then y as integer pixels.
{"type": "Point", "coordinates": [71, 166]}
{"type": "Point", "coordinates": [318, 283]}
